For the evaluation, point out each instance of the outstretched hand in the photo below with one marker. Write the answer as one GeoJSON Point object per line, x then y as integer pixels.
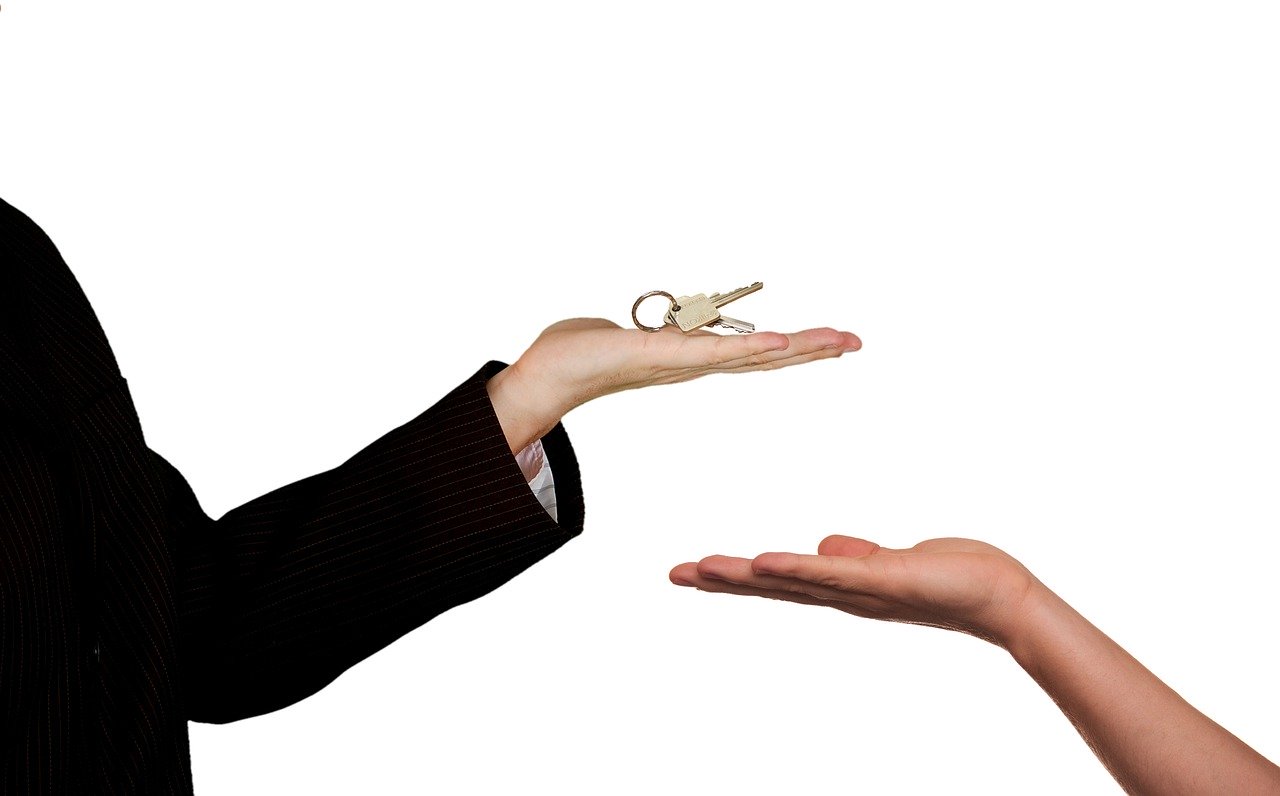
{"type": "Point", "coordinates": [577, 360]}
{"type": "Point", "coordinates": [957, 584]}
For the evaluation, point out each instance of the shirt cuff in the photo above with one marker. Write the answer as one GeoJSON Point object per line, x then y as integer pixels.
{"type": "Point", "coordinates": [537, 471]}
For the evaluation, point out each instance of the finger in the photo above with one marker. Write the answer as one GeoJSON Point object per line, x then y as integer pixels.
{"type": "Point", "coordinates": [867, 605]}
{"type": "Point", "coordinates": [581, 323]}
{"type": "Point", "coordinates": [683, 574]}
{"type": "Point", "coordinates": [835, 573]}
{"type": "Point", "coordinates": [848, 546]}
{"type": "Point", "coordinates": [728, 575]}
{"type": "Point", "coordinates": [777, 363]}
{"type": "Point", "coordinates": [743, 572]}
{"type": "Point", "coordinates": [826, 337]}
{"type": "Point", "coordinates": [729, 587]}
{"type": "Point", "coordinates": [692, 574]}
{"type": "Point", "coordinates": [804, 344]}
{"type": "Point", "coordinates": [705, 349]}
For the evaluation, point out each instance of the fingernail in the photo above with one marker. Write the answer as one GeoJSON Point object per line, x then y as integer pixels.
{"type": "Point", "coordinates": [762, 568]}
{"type": "Point", "coordinates": [681, 582]}
{"type": "Point", "coordinates": [708, 570]}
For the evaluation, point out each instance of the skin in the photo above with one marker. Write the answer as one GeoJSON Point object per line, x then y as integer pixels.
{"type": "Point", "coordinates": [1148, 737]}
{"type": "Point", "coordinates": [581, 359]}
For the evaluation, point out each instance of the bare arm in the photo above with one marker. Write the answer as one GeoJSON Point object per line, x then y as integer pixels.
{"type": "Point", "coordinates": [1148, 737]}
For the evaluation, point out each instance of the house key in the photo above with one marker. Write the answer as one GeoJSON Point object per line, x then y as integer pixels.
{"type": "Point", "coordinates": [694, 312]}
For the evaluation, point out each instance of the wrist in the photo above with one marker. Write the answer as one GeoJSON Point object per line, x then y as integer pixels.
{"type": "Point", "coordinates": [1043, 628]}
{"type": "Point", "coordinates": [520, 408]}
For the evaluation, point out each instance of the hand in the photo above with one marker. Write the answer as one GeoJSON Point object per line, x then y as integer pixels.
{"type": "Point", "coordinates": [957, 584]}
{"type": "Point", "coordinates": [577, 360]}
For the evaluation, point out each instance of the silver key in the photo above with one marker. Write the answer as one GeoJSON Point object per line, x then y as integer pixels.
{"type": "Point", "coordinates": [694, 312]}
{"type": "Point", "coordinates": [732, 323]}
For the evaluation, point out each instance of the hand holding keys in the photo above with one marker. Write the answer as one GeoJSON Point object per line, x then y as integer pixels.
{"type": "Point", "coordinates": [580, 359]}
{"type": "Point", "coordinates": [694, 312]}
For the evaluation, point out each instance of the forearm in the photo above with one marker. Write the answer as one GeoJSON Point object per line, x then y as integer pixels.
{"type": "Point", "coordinates": [1148, 737]}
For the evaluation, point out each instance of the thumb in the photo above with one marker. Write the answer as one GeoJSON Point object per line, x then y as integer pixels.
{"type": "Point", "coordinates": [573, 324]}
{"type": "Point", "coordinates": [849, 546]}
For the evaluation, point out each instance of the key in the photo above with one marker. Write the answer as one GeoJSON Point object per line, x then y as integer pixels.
{"type": "Point", "coordinates": [701, 310]}
{"type": "Point", "coordinates": [734, 324]}
{"type": "Point", "coordinates": [693, 312]}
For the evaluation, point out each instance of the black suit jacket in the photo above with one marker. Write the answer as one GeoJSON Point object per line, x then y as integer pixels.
{"type": "Point", "coordinates": [125, 611]}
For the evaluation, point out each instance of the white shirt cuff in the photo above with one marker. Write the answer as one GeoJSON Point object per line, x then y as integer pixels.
{"type": "Point", "coordinates": [537, 471]}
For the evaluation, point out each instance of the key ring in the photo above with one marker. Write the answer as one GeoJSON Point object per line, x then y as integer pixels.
{"type": "Point", "coordinates": [634, 307]}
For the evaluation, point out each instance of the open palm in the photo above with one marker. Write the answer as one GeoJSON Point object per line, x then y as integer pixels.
{"type": "Point", "coordinates": [579, 359]}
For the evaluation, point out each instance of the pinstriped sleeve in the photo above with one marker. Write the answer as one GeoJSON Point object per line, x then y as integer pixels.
{"type": "Point", "coordinates": [284, 593]}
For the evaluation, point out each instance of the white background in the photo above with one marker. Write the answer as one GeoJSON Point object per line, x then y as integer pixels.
{"type": "Point", "coordinates": [1055, 227]}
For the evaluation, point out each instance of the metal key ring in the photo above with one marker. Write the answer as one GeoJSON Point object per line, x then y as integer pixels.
{"type": "Point", "coordinates": [634, 307]}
